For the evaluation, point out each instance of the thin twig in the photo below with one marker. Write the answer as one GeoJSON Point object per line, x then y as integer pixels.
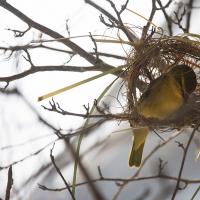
{"type": "Point", "coordinates": [128, 33]}
{"type": "Point", "coordinates": [9, 183]}
{"type": "Point", "coordinates": [94, 189]}
{"type": "Point", "coordinates": [189, 13]}
{"type": "Point", "coordinates": [59, 172]}
{"type": "Point", "coordinates": [28, 59]}
{"type": "Point", "coordinates": [29, 46]}
{"type": "Point", "coordinates": [95, 47]}
{"type": "Point", "coordinates": [120, 23]}
{"type": "Point", "coordinates": [55, 107]}
{"type": "Point", "coordinates": [28, 156]}
{"type": "Point", "coordinates": [135, 179]}
{"type": "Point", "coordinates": [196, 192]}
{"type": "Point", "coordinates": [179, 18]}
{"type": "Point", "coordinates": [18, 33]}
{"type": "Point", "coordinates": [136, 174]}
{"type": "Point", "coordinates": [64, 136]}
{"type": "Point", "coordinates": [146, 27]}
{"type": "Point", "coordinates": [76, 49]}
{"type": "Point", "coordinates": [48, 166]}
{"type": "Point", "coordinates": [37, 69]}
{"type": "Point", "coordinates": [183, 161]}
{"type": "Point", "coordinates": [168, 19]}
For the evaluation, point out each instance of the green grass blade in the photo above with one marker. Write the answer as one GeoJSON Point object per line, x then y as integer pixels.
{"type": "Point", "coordinates": [78, 83]}
{"type": "Point", "coordinates": [82, 134]}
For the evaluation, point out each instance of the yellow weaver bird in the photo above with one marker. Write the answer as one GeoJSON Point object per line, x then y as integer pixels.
{"type": "Point", "coordinates": [163, 97]}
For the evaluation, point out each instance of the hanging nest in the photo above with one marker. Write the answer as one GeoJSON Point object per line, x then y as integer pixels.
{"type": "Point", "coordinates": [152, 57]}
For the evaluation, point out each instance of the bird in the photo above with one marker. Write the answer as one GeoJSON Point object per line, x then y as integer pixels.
{"type": "Point", "coordinates": [163, 97]}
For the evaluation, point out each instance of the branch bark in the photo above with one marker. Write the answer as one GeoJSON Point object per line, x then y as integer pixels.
{"type": "Point", "coordinates": [76, 49]}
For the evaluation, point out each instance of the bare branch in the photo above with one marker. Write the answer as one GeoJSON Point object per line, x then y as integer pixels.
{"type": "Point", "coordinates": [189, 13]}
{"type": "Point", "coordinates": [55, 107]}
{"type": "Point", "coordinates": [195, 193]}
{"type": "Point", "coordinates": [28, 59]}
{"type": "Point", "coordinates": [168, 19]}
{"type": "Point", "coordinates": [135, 179]}
{"type": "Point", "coordinates": [123, 7]}
{"type": "Point", "coordinates": [9, 183]}
{"type": "Point", "coordinates": [161, 167]}
{"type": "Point", "coordinates": [59, 172]}
{"type": "Point", "coordinates": [153, 11]}
{"type": "Point", "coordinates": [66, 68]}
{"type": "Point", "coordinates": [146, 27]}
{"type": "Point", "coordinates": [95, 47]}
{"type": "Point", "coordinates": [30, 46]}
{"type": "Point", "coordinates": [145, 161]}
{"type": "Point", "coordinates": [179, 15]}
{"type": "Point", "coordinates": [76, 49]}
{"type": "Point", "coordinates": [119, 24]}
{"type": "Point", "coordinates": [183, 161]}
{"type": "Point", "coordinates": [67, 27]}
{"type": "Point", "coordinates": [163, 7]}
{"type": "Point", "coordinates": [94, 189]}
{"type": "Point", "coordinates": [18, 33]}
{"type": "Point", "coordinates": [28, 156]}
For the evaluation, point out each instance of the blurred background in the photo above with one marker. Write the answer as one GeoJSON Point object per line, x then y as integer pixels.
{"type": "Point", "coordinates": [27, 130]}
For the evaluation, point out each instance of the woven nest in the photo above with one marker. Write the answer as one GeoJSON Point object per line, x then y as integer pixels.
{"type": "Point", "coordinates": [151, 58]}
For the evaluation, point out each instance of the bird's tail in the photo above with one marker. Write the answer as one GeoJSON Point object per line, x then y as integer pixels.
{"type": "Point", "coordinates": [140, 135]}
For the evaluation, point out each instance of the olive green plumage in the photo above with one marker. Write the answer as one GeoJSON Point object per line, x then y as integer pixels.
{"type": "Point", "coordinates": [163, 97]}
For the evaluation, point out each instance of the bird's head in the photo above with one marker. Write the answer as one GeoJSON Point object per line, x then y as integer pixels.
{"type": "Point", "coordinates": [185, 76]}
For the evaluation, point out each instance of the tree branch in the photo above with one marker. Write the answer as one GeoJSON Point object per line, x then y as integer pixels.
{"type": "Point", "coordinates": [30, 46]}
{"type": "Point", "coordinates": [189, 13]}
{"type": "Point", "coordinates": [76, 49]}
{"type": "Point", "coordinates": [183, 161]}
{"type": "Point", "coordinates": [120, 25]}
{"type": "Point", "coordinates": [59, 172]}
{"type": "Point", "coordinates": [65, 68]}
{"type": "Point", "coordinates": [9, 183]}
{"type": "Point", "coordinates": [118, 180]}
{"type": "Point", "coordinates": [168, 19]}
